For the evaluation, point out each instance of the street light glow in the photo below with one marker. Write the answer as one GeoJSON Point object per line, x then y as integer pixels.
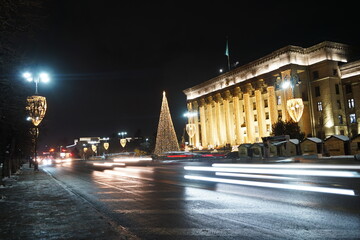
{"type": "Point", "coordinates": [285, 84]}
{"type": "Point", "coordinates": [44, 77]}
{"type": "Point", "coordinates": [27, 75]}
{"type": "Point", "coordinates": [190, 114]}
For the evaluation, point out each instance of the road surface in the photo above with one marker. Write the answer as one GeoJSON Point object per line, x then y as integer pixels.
{"type": "Point", "coordinates": [196, 201]}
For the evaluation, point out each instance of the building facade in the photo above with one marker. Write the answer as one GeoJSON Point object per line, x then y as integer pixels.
{"type": "Point", "coordinates": [241, 106]}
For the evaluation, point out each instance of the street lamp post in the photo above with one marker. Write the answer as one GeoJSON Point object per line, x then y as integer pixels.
{"type": "Point", "coordinates": [295, 106]}
{"type": "Point", "coordinates": [122, 140]}
{"type": "Point", "coordinates": [36, 107]}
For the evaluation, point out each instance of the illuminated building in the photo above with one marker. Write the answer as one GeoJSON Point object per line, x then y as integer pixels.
{"type": "Point", "coordinates": [241, 105]}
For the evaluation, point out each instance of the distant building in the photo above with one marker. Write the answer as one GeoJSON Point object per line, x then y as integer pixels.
{"type": "Point", "coordinates": [241, 105]}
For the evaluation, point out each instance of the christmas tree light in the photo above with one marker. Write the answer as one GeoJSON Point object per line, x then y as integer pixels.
{"type": "Point", "coordinates": [166, 137]}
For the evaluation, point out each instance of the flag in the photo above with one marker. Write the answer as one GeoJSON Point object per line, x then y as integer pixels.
{"type": "Point", "coordinates": [227, 49]}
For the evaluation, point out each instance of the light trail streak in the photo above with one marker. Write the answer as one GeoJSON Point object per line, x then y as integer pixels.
{"type": "Point", "coordinates": [297, 166]}
{"type": "Point", "coordinates": [275, 185]}
{"type": "Point", "coordinates": [132, 159]}
{"type": "Point", "coordinates": [319, 173]}
{"type": "Point", "coordinates": [252, 176]}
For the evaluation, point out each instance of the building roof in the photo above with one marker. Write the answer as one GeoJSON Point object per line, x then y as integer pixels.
{"type": "Point", "coordinates": [247, 145]}
{"type": "Point", "coordinates": [313, 139]}
{"type": "Point", "coordinates": [294, 141]}
{"type": "Point", "coordinates": [273, 61]}
{"type": "Point", "coordinates": [341, 137]}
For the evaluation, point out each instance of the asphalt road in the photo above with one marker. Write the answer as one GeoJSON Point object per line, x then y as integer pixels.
{"type": "Point", "coordinates": [159, 202]}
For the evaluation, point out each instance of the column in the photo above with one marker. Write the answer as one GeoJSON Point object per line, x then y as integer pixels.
{"type": "Point", "coordinates": [219, 122]}
{"type": "Point", "coordinates": [229, 122]}
{"type": "Point", "coordinates": [272, 104]}
{"type": "Point", "coordinates": [211, 126]}
{"type": "Point", "coordinates": [286, 94]}
{"type": "Point", "coordinates": [196, 141]}
{"type": "Point", "coordinates": [249, 116]}
{"type": "Point", "coordinates": [260, 113]}
{"type": "Point", "coordinates": [204, 140]}
{"type": "Point", "coordinates": [237, 115]}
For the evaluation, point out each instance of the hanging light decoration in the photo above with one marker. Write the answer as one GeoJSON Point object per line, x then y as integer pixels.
{"type": "Point", "coordinates": [191, 129]}
{"type": "Point", "coordinates": [36, 106]}
{"type": "Point", "coordinates": [93, 148]}
{"type": "Point", "coordinates": [295, 108]}
{"type": "Point", "coordinates": [106, 145]}
{"type": "Point", "coordinates": [123, 142]}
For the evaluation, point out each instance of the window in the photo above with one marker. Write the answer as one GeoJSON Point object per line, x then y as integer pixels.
{"type": "Point", "coordinates": [342, 132]}
{"type": "Point", "coordinates": [254, 106]}
{"type": "Point", "coordinates": [351, 103]}
{"type": "Point", "coordinates": [335, 72]}
{"type": "Point", "coordinates": [255, 118]}
{"type": "Point", "coordinates": [340, 117]}
{"type": "Point", "coordinates": [279, 114]}
{"type": "Point", "coordinates": [337, 90]}
{"type": "Point", "coordinates": [256, 129]}
{"type": "Point", "coordinates": [243, 107]}
{"type": "Point", "coordinates": [348, 88]}
{"type": "Point", "coordinates": [315, 75]}
{"type": "Point", "coordinates": [267, 115]}
{"type": "Point", "coordinates": [317, 91]}
{"type": "Point", "coordinates": [338, 104]}
{"type": "Point", "coordinates": [268, 127]}
{"type": "Point", "coordinates": [278, 100]}
{"type": "Point", "coordinates": [352, 118]}
{"type": "Point", "coordinates": [358, 145]}
{"type": "Point", "coordinates": [319, 106]}
{"type": "Point", "coordinates": [243, 124]}
{"type": "Point", "coordinates": [265, 103]}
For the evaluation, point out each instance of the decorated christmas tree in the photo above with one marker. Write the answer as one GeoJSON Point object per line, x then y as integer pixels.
{"type": "Point", "coordinates": [166, 137]}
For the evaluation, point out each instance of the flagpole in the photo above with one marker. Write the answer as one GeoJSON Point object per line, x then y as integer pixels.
{"type": "Point", "coordinates": [227, 52]}
{"type": "Point", "coordinates": [228, 62]}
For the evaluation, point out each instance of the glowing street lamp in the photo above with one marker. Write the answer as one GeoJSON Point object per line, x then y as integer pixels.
{"type": "Point", "coordinates": [36, 107]}
{"type": "Point", "coordinates": [122, 140]}
{"type": "Point", "coordinates": [294, 106]}
{"type": "Point", "coordinates": [122, 134]}
{"type": "Point", "coordinates": [41, 77]}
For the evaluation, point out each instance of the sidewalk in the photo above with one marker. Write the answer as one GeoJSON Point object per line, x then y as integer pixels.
{"type": "Point", "coordinates": [34, 206]}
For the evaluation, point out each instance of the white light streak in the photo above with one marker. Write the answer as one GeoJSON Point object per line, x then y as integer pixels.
{"type": "Point", "coordinates": [297, 166]}
{"type": "Point", "coordinates": [252, 176]}
{"type": "Point", "coordinates": [132, 159]}
{"type": "Point", "coordinates": [103, 164]}
{"type": "Point", "coordinates": [321, 173]}
{"type": "Point", "coordinates": [275, 185]}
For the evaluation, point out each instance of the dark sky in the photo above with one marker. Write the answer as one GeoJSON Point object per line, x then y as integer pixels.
{"type": "Point", "coordinates": [111, 60]}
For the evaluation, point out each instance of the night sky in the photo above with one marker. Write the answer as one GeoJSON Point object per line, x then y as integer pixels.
{"type": "Point", "coordinates": [111, 60]}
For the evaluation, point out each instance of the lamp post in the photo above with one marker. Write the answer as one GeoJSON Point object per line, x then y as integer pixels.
{"type": "Point", "coordinates": [122, 140]}
{"type": "Point", "coordinates": [36, 107]}
{"type": "Point", "coordinates": [191, 126]}
{"type": "Point", "coordinates": [295, 106]}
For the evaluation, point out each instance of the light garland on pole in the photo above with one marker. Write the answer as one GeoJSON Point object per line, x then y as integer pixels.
{"type": "Point", "coordinates": [36, 107]}
{"type": "Point", "coordinates": [166, 139]}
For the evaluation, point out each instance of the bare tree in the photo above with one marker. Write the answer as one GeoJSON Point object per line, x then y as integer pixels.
{"type": "Point", "coordinates": [18, 21]}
